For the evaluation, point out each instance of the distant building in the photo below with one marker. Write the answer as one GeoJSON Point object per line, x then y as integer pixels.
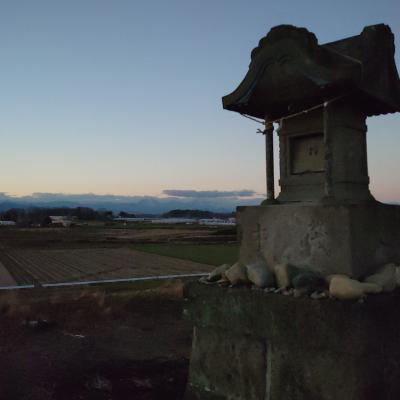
{"type": "Point", "coordinates": [131, 219]}
{"type": "Point", "coordinates": [218, 221]}
{"type": "Point", "coordinates": [61, 220]}
{"type": "Point", "coordinates": [174, 221]}
{"type": "Point", "coordinates": [8, 223]}
{"type": "Point", "coordinates": [177, 220]}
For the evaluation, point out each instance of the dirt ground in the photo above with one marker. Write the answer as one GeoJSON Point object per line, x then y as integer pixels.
{"type": "Point", "coordinates": [105, 342]}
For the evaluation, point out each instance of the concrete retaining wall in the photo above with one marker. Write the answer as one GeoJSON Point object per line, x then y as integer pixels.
{"type": "Point", "coordinates": [249, 345]}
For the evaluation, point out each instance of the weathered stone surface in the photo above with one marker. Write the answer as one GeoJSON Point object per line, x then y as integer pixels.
{"type": "Point", "coordinates": [350, 239]}
{"type": "Point", "coordinates": [236, 362]}
{"type": "Point", "coordinates": [297, 349]}
{"type": "Point", "coordinates": [334, 166]}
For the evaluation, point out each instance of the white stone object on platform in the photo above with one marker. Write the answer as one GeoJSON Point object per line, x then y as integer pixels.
{"type": "Point", "coordinates": [237, 273]}
{"type": "Point", "coordinates": [282, 275]}
{"type": "Point", "coordinates": [385, 277]}
{"type": "Point", "coordinates": [218, 273]}
{"type": "Point", "coordinates": [342, 287]}
{"type": "Point", "coordinates": [259, 274]}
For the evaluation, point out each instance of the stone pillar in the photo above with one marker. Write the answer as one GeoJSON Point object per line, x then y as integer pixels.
{"type": "Point", "coordinates": [328, 154]}
{"type": "Point", "coordinates": [346, 175]}
{"type": "Point", "coordinates": [269, 155]}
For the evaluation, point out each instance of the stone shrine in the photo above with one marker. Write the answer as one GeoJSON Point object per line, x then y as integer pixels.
{"type": "Point", "coordinates": [254, 345]}
{"type": "Point", "coordinates": [321, 96]}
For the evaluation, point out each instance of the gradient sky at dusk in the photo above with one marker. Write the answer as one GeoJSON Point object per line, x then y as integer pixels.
{"type": "Point", "coordinates": [124, 97]}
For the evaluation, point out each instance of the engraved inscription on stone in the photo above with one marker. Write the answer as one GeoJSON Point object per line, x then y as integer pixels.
{"type": "Point", "coordinates": [307, 154]}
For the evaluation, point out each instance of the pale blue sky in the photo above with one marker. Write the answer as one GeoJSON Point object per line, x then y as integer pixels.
{"type": "Point", "coordinates": [124, 97]}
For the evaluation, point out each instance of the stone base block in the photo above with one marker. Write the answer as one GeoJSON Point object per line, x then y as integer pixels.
{"type": "Point", "coordinates": [348, 239]}
{"type": "Point", "coordinates": [249, 345]}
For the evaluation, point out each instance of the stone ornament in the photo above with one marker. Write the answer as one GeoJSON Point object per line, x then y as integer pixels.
{"type": "Point", "coordinates": [288, 279]}
{"type": "Point", "coordinates": [341, 287]}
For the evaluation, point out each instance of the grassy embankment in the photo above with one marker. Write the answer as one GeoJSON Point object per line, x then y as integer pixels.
{"type": "Point", "coordinates": [212, 254]}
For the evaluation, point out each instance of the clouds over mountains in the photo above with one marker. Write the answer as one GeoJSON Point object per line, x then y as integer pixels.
{"type": "Point", "coordinates": [213, 200]}
{"type": "Point", "coordinates": [204, 194]}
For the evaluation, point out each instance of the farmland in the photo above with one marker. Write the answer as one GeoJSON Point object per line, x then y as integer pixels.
{"type": "Point", "coordinates": [60, 255]}
{"type": "Point", "coordinates": [29, 266]}
{"type": "Point", "coordinates": [212, 254]}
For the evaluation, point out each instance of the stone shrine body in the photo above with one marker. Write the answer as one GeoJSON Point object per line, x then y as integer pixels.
{"type": "Point", "coordinates": [325, 217]}
{"type": "Point", "coordinates": [254, 344]}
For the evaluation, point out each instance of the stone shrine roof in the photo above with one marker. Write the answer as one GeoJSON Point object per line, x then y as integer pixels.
{"type": "Point", "coordinates": [290, 72]}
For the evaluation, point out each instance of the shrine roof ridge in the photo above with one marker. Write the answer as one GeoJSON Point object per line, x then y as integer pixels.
{"type": "Point", "coordinates": [289, 72]}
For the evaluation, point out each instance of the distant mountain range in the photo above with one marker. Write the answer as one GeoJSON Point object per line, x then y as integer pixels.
{"type": "Point", "coordinates": [216, 201]}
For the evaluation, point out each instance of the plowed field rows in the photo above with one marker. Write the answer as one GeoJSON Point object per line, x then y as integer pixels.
{"type": "Point", "coordinates": [28, 266]}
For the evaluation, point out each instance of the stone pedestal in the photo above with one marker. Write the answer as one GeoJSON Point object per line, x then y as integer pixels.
{"type": "Point", "coordinates": [249, 345]}
{"type": "Point", "coordinates": [350, 239]}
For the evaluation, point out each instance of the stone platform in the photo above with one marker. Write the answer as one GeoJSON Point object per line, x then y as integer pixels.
{"type": "Point", "coordinates": [250, 345]}
{"type": "Point", "coordinates": [349, 239]}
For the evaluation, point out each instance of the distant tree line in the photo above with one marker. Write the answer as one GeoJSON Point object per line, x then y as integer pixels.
{"type": "Point", "coordinates": [124, 214]}
{"type": "Point", "coordinates": [41, 216]}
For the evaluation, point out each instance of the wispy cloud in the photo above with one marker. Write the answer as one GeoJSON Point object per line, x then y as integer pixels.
{"type": "Point", "coordinates": [202, 194]}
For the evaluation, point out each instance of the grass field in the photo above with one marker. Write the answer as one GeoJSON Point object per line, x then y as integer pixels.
{"type": "Point", "coordinates": [212, 254]}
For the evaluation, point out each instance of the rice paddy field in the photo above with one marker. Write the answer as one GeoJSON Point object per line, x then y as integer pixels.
{"type": "Point", "coordinates": [32, 266]}
{"type": "Point", "coordinates": [43, 256]}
